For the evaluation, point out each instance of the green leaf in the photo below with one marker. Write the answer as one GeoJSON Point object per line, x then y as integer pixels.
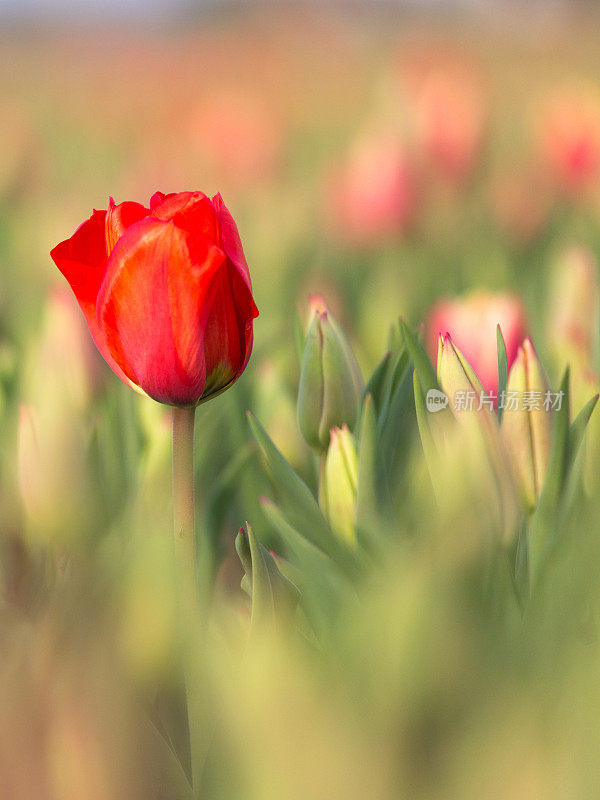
{"type": "Point", "coordinates": [429, 448]}
{"type": "Point", "coordinates": [502, 368]}
{"type": "Point", "coordinates": [420, 359]}
{"type": "Point", "coordinates": [394, 417]}
{"type": "Point", "coordinates": [578, 427]}
{"type": "Point", "coordinates": [296, 499]}
{"type": "Point", "coordinates": [263, 603]}
{"type": "Point", "coordinates": [369, 522]}
{"type": "Point", "coordinates": [263, 576]}
{"type": "Point", "coordinates": [375, 384]}
{"type": "Point", "coordinates": [543, 529]}
{"type": "Point", "coordinates": [323, 586]}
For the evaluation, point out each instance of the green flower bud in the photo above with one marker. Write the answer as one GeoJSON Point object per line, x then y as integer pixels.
{"type": "Point", "coordinates": [337, 493]}
{"type": "Point", "coordinates": [479, 430]}
{"type": "Point", "coordinates": [331, 385]}
{"type": "Point", "coordinates": [456, 376]}
{"type": "Point", "coordinates": [527, 424]}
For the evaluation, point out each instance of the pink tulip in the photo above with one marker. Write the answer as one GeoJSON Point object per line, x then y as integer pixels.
{"type": "Point", "coordinates": [471, 321]}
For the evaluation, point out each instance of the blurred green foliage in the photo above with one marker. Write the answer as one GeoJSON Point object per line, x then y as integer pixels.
{"type": "Point", "coordinates": [413, 663]}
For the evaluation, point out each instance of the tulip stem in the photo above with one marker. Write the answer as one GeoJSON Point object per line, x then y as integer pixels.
{"type": "Point", "coordinates": [186, 573]}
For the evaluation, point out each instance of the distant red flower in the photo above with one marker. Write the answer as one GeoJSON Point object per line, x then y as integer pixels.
{"type": "Point", "coordinates": [568, 132]}
{"type": "Point", "coordinates": [471, 322]}
{"type": "Point", "coordinates": [374, 193]}
{"type": "Point", "coordinates": [449, 106]}
{"type": "Point", "coordinates": [166, 293]}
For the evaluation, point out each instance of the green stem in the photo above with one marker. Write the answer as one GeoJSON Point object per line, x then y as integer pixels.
{"type": "Point", "coordinates": [185, 573]}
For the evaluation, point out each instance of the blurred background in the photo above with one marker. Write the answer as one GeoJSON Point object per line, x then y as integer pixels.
{"type": "Point", "coordinates": [384, 155]}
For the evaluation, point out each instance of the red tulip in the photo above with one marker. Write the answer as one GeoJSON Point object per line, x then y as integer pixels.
{"type": "Point", "coordinates": [471, 321]}
{"type": "Point", "coordinates": [166, 294]}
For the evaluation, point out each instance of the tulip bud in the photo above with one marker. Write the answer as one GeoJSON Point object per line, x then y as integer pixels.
{"type": "Point", "coordinates": [337, 494]}
{"type": "Point", "coordinates": [527, 424]}
{"type": "Point", "coordinates": [479, 425]}
{"type": "Point", "coordinates": [458, 380]}
{"type": "Point", "coordinates": [331, 385]}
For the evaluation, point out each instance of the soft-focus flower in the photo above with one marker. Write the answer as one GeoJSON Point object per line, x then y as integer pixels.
{"type": "Point", "coordinates": [471, 322]}
{"type": "Point", "coordinates": [337, 492]}
{"type": "Point", "coordinates": [527, 424]}
{"type": "Point", "coordinates": [568, 134]}
{"type": "Point", "coordinates": [521, 201]}
{"type": "Point", "coordinates": [166, 293]}
{"type": "Point", "coordinates": [51, 461]}
{"type": "Point", "coordinates": [331, 384]}
{"type": "Point", "coordinates": [66, 352]}
{"type": "Point", "coordinates": [238, 135]}
{"type": "Point", "coordinates": [375, 193]}
{"type": "Point", "coordinates": [574, 311]}
{"type": "Point", "coordinates": [449, 107]}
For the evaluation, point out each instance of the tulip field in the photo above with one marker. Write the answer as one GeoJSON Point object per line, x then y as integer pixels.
{"type": "Point", "coordinates": [299, 366]}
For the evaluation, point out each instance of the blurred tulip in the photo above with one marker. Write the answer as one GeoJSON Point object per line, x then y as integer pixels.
{"type": "Point", "coordinates": [331, 384]}
{"type": "Point", "coordinates": [53, 475]}
{"type": "Point", "coordinates": [337, 492]}
{"type": "Point", "coordinates": [237, 135]}
{"type": "Point", "coordinates": [568, 135]}
{"type": "Point", "coordinates": [471, 322]}
{"type": "Point", "coordinates": [574, 312]}
{"type": "Point", "coordinates": [66, 350]}
{"type": "Point", "coordinates": [527, 424]}
{"type": "Point", "coordinates": [375, 193]}
{"type": "Point", "coordinates": [449, 106]}
{"type": "Point", "coordinates": [521, 202]}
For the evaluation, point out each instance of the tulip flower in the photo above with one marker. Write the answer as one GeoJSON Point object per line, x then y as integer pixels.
{"type": "Point", "coordinates": [471, 322]}
{"type": "Point", "coordinates": [527, 424]}
{"type": "Point", "coordinates": [331, 384]}
{"type": "Point", "coordinates": [337, 492]}
{"type": "Point", "coordinates": [166, 294]}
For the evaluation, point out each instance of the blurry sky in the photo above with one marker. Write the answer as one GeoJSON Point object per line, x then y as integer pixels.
{"type": "Point", "coordinates": [82, 9]}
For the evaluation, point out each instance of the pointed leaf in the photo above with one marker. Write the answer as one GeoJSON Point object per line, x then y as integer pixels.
{"type": "Point", "coordinates": [502, 368]}
{"type": "Point", "coordinates": [297, 501]}
{"type": "Point", "coordinates": [420, 359]}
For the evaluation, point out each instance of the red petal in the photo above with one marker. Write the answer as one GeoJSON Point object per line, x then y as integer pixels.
{"type": "Point", "coordinates": [192, 211]}
{"type": "Point", "coordinates": [82, 260]}
{"type": "Point", "coordinates": [230, 240]}
{"type": "Point", "coordinates": [156, 200]}
{"type": "Point", "coordinates": [119, 218]}
{"type": "Point", "coordinates": [228, 334]}
{"type": "Point", "coordinates": [153, 309]}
